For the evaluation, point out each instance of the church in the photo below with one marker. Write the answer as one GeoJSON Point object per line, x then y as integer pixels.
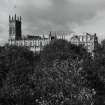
{"type": "Point", "coordinates": [36, 43]}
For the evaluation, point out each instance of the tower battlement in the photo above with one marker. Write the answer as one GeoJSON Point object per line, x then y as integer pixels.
{"type": "Point", "coordinates": [14, 18]}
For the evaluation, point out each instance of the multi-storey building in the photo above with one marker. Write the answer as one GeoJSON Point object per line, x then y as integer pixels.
{"type": "Point", "coordinates": [90, 42]}
{"type": "Point", "coordinates": [36, 43]}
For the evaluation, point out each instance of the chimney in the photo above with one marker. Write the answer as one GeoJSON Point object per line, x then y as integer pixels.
{"type": "Point", "coordinates": [9, 18]}
{"type": "Point", "coordinates": [20, 18]}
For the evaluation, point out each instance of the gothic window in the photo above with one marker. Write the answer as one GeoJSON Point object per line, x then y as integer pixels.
{"type": "Point", "coordinates": [13, 30]}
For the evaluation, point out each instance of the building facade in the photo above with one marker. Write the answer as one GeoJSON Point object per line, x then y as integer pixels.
{"type": "Point", "coordinates": [90, 42]}
{"type": "Point", "coordinates": [36, 43]}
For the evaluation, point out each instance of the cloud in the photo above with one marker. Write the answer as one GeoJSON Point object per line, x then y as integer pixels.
{"type": "Point", "coordinates": [50, 15]}
{"type": "Point", "coordinates": [58, 15]}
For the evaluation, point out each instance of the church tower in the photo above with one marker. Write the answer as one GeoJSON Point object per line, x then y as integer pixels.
{"type": "Point", "coordinates": [15, 32]}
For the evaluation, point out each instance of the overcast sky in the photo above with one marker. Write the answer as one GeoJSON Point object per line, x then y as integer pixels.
{"type": "Point", "coordinates": [54, 15]}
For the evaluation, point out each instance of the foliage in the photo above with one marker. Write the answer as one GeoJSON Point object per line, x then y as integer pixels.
{"type": "Point", "coordinates": [16, 64]}
{"type": "Point", "coordinates": [96, 73]}
{"type": "Point", "coordinates": [61, 71]}
{"type": "Point", "coordinates": [62, 74]}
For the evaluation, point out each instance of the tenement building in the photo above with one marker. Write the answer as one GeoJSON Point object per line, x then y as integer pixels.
{"type": "Point", "coordinates": [37, 42]}
{"type": "Point", "coordinates": [90, 42]}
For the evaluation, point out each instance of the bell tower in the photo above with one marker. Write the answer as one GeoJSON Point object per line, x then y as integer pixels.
{"type": "Point", "coordinates": [15, 32]}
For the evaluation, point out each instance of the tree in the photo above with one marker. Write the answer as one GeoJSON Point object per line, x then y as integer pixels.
{"type": "Point", "coordinates": [96, 73]}
{"type": "Point", "coordinates": [60, 76]}
{"type": "Point", "coordinates": [17, 64]}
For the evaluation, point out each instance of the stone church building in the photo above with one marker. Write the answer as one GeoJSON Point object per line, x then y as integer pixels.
{"type": "Point", "coordinates": [36, 43]}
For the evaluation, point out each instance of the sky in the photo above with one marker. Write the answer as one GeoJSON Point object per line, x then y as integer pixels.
{"type": "Point", "coordinates": [78, 16]}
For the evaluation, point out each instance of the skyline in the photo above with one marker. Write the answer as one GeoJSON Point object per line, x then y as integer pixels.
{"type": "Point", "coordinates": [54, 15]}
